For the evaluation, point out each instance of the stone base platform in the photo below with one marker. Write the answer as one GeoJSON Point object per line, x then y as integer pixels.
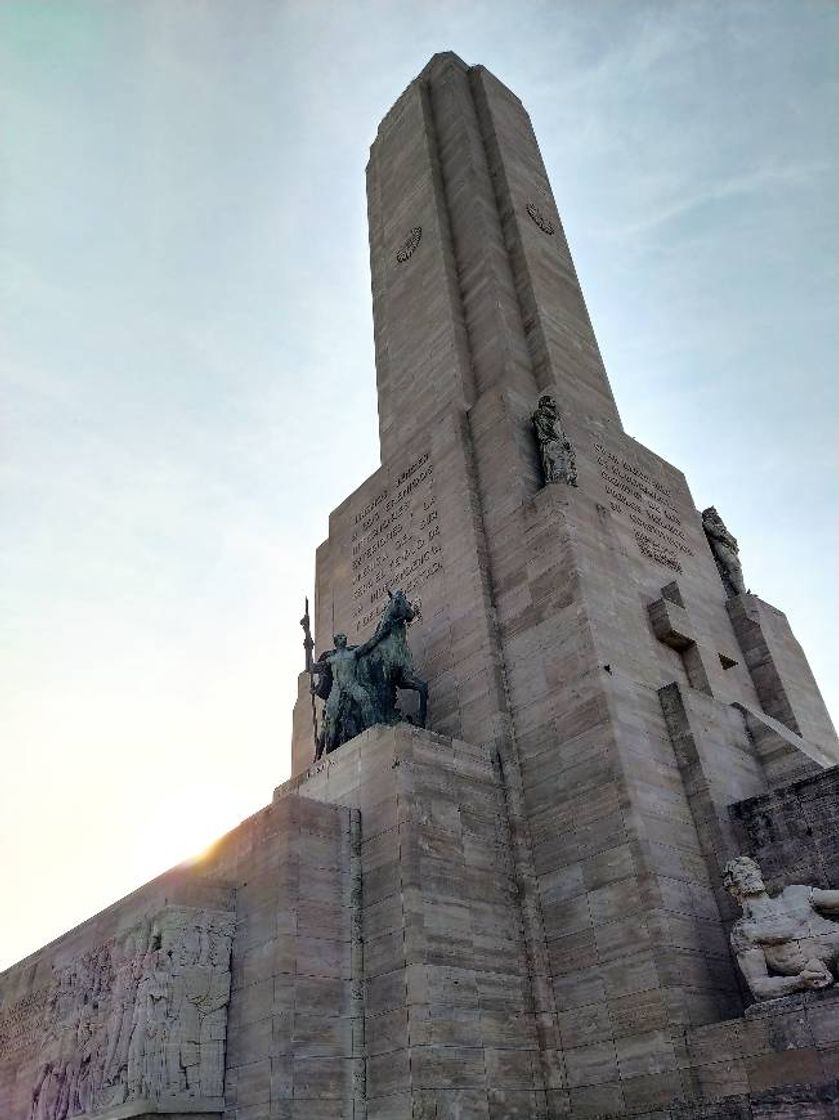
{"type": "Point", "coordinates": [379, 971]}
{"type": "Point", "coordinates": [153, 1109]}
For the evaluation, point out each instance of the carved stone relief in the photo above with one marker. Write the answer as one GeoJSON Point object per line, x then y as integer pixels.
{"type": "Point", "coordinates": [725, 550]}
{"type": "Point", "coordinates": [409, 245]}
{"type": "Point", "coordinates": [786, 943]}
{"type": "Point", "coordinates": [544, 223]}
{"type": "Point", "coordinates": [559, 463]}
{"type": "Point", "coordinates": [141, 1017]}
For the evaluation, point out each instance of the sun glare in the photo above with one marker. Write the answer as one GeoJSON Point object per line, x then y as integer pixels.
{"type": "Point", "coordinates": [184, 829]}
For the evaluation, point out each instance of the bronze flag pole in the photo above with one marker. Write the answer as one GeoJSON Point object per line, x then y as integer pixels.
{"type": "Point", "coordinates": [308, 646]}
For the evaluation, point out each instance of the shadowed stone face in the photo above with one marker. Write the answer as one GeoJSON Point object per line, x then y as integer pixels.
{"type": "Point", "coordinates": [742, 877]}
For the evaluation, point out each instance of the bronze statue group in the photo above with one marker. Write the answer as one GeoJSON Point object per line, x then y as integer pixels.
{"type": "Point", "coordinates": [359, 684]}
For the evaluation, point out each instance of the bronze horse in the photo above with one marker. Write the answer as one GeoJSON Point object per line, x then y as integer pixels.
{"type": "Point", "coordinates": [389, 665]}
{"type": "Point", "coordinates": [368, 677]}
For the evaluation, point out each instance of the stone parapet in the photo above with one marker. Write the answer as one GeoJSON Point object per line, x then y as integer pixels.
{"type": "Point", "coordinates": [781, 673]}
{"type": "Point", "coordinates": [793, 831]}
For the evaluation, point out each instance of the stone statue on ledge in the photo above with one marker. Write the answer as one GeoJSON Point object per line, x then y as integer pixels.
{"type": "Point", "coordinates": [725, 551]}
{"type": "Point", "coordinates": [558, 459]}
{"type": "Point", "coordinates": [782, 944]}
{"type": "Point", "coordinates": [359, 683]}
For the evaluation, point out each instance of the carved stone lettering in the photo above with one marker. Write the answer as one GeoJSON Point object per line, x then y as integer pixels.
{"type": "Point", "coordinates": [143, 1016]}
{"type": "Point", "coordinates": [658, 552]}
{"type": "Point", "coordinates": [649, 507]}
{"type": "Point", "coordinates": [20, 1024]}
{"type": "Point", "coordinates": [396, 541]}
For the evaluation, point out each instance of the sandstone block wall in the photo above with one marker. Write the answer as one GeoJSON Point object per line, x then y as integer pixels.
{"type": "Point", "coordinates": [450, 1016]}
{"type": "Point", "coordinates": [793, 831]}
{"type": "Point", "coordinates": [288, 1030]}
{"type": "Point", "coordinates": [622, 734]}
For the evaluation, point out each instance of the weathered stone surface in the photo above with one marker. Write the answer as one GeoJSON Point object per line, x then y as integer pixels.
{"type": "Point", "coordinates": [447, 996]}
{"type": "Point", "coordinates": [793, 832]}
{"type": "Point", "coordinates": [781, 674]}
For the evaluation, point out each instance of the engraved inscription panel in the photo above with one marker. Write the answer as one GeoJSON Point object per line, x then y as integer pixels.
{"type": "Point", "coordinates": [20, 1024]}
{"type": "Point", "coordinates": [395, 541]}
{"type": "Point", "coordinates": [649, 507]}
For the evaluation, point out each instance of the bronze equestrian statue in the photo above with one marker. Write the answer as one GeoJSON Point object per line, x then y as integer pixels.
{"type": "Point", "coordinates": [359, 683]}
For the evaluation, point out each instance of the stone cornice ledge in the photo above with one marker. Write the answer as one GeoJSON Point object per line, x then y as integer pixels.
{"type": "Point", "coordinates": [196, 1108]}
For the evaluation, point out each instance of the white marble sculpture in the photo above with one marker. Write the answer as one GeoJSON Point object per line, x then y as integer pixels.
{"type": "Point", "coordinates": [783, 944]}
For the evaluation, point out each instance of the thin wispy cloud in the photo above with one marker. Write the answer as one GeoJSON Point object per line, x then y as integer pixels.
{"type": "Point", "coordinates": [668, 202]}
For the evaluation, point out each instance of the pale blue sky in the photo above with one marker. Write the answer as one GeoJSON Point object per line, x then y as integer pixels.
{"type": "Point", "coordinates": [187, 362]}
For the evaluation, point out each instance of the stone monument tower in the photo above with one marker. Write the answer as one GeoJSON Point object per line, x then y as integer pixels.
{"type": "Point", "coordinates": [522, 908]}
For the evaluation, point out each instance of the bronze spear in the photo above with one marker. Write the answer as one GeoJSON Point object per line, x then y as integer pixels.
{"type": "Point", "coordinates": [308, 646]}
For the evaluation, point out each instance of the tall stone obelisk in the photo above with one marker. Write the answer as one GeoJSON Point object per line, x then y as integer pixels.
{"type": "Point", "coordinates": [518, 910]}
{"type": "Point", "coordinates": [581, 632]}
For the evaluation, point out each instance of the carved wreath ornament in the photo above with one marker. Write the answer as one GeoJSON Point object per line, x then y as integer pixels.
{"type": "Point", "coordinates": [544, 224]}
{"type": "Point", "coordinates": [406, 249]}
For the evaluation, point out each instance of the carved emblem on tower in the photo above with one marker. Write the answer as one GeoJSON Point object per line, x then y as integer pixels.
{"type": "Point", "coordinates": [544, 223]}
{"type": "Point", "coordinates": [409, 245]}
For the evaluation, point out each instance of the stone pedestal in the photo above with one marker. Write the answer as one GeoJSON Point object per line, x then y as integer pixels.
{"type": "Point", "coordinates": [450, 1014]}
{"type": "Point", "coordinates": [154, 1109]}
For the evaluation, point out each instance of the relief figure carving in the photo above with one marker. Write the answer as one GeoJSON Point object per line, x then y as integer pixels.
{"type": "Point", "coordinates": [143, 1016]}
{"type": "Point", "coordinates": [72, 1046]}
{"type": "Point", "coordinates": [783, 944]}
{"type": "Point", "coordinates": [128, 956]}
{"type": "Point", "coordinates": [559, 462]}
{"type": "Point", "coordinates": [725, 551]}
